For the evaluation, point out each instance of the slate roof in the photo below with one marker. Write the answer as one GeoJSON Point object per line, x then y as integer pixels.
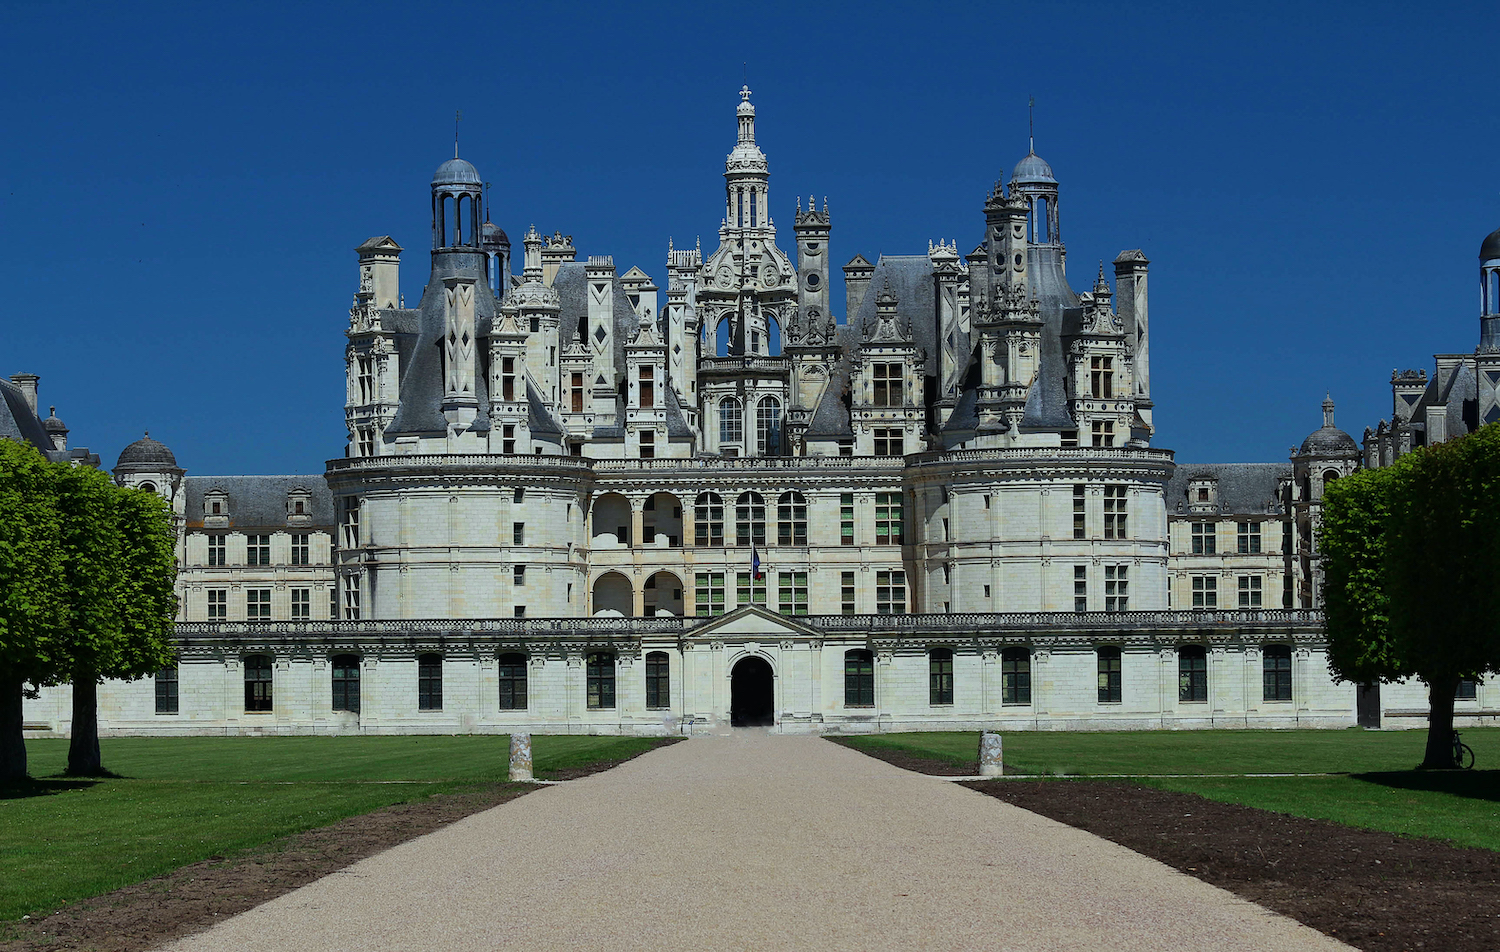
{"type": "Point", "coordinates": [1241, 487]}
{"type": "Point", "coordinates": [259, 501]}
{"type": "Point", "coordinates": [18, 422]}
{"type": "Point", "coordinates": [571, 285]}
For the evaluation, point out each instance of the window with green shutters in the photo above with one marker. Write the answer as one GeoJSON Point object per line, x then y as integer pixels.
{"type": "Point", "coordinates": [791, 593]}
{"type": "Point", "coordinates": [749, 590]}
{"type": "Point", "coordinates": [710, 593]}
{"type": "Point", "coordinates": [846, 519]}
{"type": "Point", "coordinates": [888, 519]}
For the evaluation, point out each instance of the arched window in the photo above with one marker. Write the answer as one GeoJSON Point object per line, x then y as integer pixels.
{"type": "Point", "coordinates": [430, 682]}
{"type": "Point", "coordinates": [512, 669]}
{"type": "Point", "coordinates": [731, 421]}
{"type": "Point", "coordinates": [750, 520]}
{"type": "Point", "coordinates": [346, 683]}
{"type": "Point", "coordinates": [148, 487]}
{"type": "Point", "coordinates": [791, 519]}
{"type": "Point", "coordinates": [1015, 676]}
{"type": "Point", "coordinates": [1329, 475]}
{"type": "Point", "coordinates": [1276, 673]}
{"type": "Point", "coordinates": [940, 676]}
{"type": "Point", "coordinates": [257, 683]}
{"type": "Point", "coordinates": [859, 678]}
{"type": "Point", "coordinates": [708, 520]}
{"type": "Point", "coordinates": [600, 684]}
{"type": "Point", "coordinates": [768, 426]}
{"type": "Point", "coordinates": [658, 681]}
{"type": "Point", "coordinates": [1192, 673]}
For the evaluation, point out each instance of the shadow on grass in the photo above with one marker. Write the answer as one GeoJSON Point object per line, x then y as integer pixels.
{"type": "Point", "coordinates": [23, 789]}
{"type": "Point", "coordinates": [1472, 784]}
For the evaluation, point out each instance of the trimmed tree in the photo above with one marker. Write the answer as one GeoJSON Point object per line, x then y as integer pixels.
{"type": "Point", "coordinates": [119, 569]}
{"type": "Point", "coordinates": [32, 613]}
{"type": "Point", "coordinates": [1411, 554]}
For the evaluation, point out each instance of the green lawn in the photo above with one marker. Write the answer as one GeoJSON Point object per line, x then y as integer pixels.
{"type": "Point", "coordinates": [1191, 752]}
{"type": "Point", "coordinates": [1377, 788]}
{"type": "Point", "coordinates": [182, 800]}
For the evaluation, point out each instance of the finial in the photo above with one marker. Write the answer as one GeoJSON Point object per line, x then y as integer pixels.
{"type": "Point", "coordinates": [457, 115]}
{"type": "Point", "coordinates": [745, 93]}
{"type": "Point", "coordinates": [486, 203]}
{"type": "Point", "coordinates": [1031, 125]}
{"type": "Point", "coordinates": [148, 434]}
{"type": "Point", "coordinates": [799, 204]}
{"type": "Point", "coordinates": [1328, 409]}
{"type": "Point", "coordinates": [669, 244]}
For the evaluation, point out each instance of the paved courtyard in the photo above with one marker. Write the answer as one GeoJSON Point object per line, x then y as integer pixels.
{"type": "Point", "coordinates": [749, 840]}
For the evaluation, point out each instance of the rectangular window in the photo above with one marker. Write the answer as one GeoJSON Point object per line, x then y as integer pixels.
{"type": "Point", "coordinates": [301, 604]}
{"type": "Point", "coordinates": [940, 676]}
{"type": "Point", "coordinates": [846, 519]}
{"type": "Point", "coordinates": [648, 386]}
{"type": "Point", "coordinates": [710, 593]}
{"type": "Point", "coordinates": [258, 604]}
{"type": "Point", "coordinates": [577, 393]}
{"type": "Point", "coordinates": [1250, 588]}
{"type": "Point", "coordinates": [257, 550]}
{"type": "Point", "coordinates": [1080, 588]}
{"type": "Point", "coordinates": [1204, 539]}
{"type": "Point", "coordinates": [1192, 673]}
{"type": "Point", "coordinates": [1015, 676]}
{"type": "Point", "coordinates": [512, 672]}
{"type": "Point", "coordinates": [658, 681]}
{"type": "Point", "coordinates": [600, 684]}
{"type": "Point", "coordinates": [1115, 522]}
{"type": "Point", "coordinates": [859, 679]}
{"type": "Point", "coordinates": [166, 690]}
{"type": "Point", "coordinates": [366, 437]}
{"type": "Point", "coordinates": [887, 379]}
{"type": "Point", "coordinates": [1286, 540]}
{"type": "Point", "coordinates": [1276, 673]}
{"type": "Point", "coordinates": [1109, 674]}
{"type": "Point", "coordinates": [301, 549]}
{"type": "Point", "coordinates": [1104, 433]}
{"type": "Point", "coordinates": [508, 378]}
{"type": "Point", "coordinates": [366, 380]}
{"type": "Point", "coordinates": [430, 682]}
{"type": "Point", "coordinates": [217, 550]}
{"type": "Point", "coordinates": [218, 604]}
{"type": "Point", "coordinates": [791, 593]}
{"type": "Point", "coordinates": [1205, 592]}
{"type": "Point", "coordinates": [351, 599]}
{"type": "Point", "coordinates": [257, 683]}
{"type": "Point", "coordinates": [1102, 378]}
{"type": "Point", "coordinates": [890, 593]}
{"type": "Point", "coordinates": [888, 522]}
{"type": "Point", "coordinates": [846, 592]}
{"type": "Point", "coordinates": [749, 590]}
{"type": "Point", "coordinates": [1079, 512]}
{"type": "Point", "coordinates": [518, 533]}
{"type": "Point", "coordinates": [333, 602]}
{"type": "Point", "coordinates": [346, 683]}
{"type": "Point", "coordinates": [1116, 588]}
{"type": "Point", "coordinates": [1248, 536]}
{"type": "Point", "coordinates": [1468, 690]}
{"type": "Point", "coordinates": [508, 439]}
{"type": "Point", "coordinates": [648, 444]}
{"type": "Point", "coordinates": [518, 575]}
{"type": "Point", "coordinates": [889, 441]}
{"type": "Point", "coordinates": [351, 522]}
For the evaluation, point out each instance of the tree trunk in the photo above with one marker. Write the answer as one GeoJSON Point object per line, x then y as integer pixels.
{"type": "Point", "coordinates": [83, 750]}
{"type": "Point", "coordinates": [12, 741]}
{"type": "Point", "coordinates": [1440, 693]}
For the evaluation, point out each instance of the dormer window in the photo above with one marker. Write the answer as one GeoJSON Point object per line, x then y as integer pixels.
{"type": "Point", "coordinates": [1203, 494]}
{"type": "Point", "coordinates": [887, 378]}
{"type": "Point", "coordinates": [298, 507]}
{"type": "Point", "coordinates": [216, 508]}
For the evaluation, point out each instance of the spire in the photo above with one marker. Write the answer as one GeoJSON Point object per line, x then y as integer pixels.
{"type": "Point", "coordinates": [1031, 125]}
{"type": "Point", "coordinates": [746, 114]}
{"type": "Point", "coordinates": [1328, 410]}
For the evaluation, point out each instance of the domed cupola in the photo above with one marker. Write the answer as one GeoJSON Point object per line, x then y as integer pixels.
{"type": "Point", "coordinates": [56, 429]}
{"type": "Point", "coordinates": [457, 205]}
{"type": "Point", "coordinates": [148, 464]}
{"type": "Point", "coordinates": [1033, 179]}
{"type": "Point", "coordinates": [1489, 294]}
{"type": "Point", "coordinates": [1328, 440]}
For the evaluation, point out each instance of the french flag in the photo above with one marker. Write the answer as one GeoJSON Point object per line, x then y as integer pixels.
{"type": "Point", "coordinates": [755, 562]}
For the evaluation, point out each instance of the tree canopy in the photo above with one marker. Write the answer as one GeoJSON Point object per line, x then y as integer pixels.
{"type": "Point", "coordinates": [86, 592]}
{"type": "Point", "coordinates": [1412, 558]}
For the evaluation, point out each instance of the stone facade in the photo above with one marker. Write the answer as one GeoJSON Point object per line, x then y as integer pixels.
{"type": "Point", "coordinates": [568, 505]}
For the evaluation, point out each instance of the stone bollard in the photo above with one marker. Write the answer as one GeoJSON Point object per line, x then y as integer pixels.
{"type": "Point", "coordinates": [520, 757]}
{"type": "Point", "coordinates": [991, 755]}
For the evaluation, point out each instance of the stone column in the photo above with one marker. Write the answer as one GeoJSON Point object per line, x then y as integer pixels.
{"type": "Point", "coordinates": [520, 757]}
{"type": "Point", "coordinates": [991, 755]}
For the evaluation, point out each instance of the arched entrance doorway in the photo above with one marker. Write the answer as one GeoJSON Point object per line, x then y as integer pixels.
{"type": "Point", "coordinates": [752, 693]}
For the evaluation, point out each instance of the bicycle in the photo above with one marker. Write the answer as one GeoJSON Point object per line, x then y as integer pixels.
{"type": "Point", "coordinates": [1463, 756]}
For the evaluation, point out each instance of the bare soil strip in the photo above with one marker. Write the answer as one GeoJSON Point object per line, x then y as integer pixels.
{"type": "Point", "coordinates": [1376, 891]}
{"type": "Point", "coordinates": [187, 900]}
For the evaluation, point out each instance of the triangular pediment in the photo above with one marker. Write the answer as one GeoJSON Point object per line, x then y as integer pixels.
{"type": "Point", "coordinates": [380, 243]}
{"type": "Point", "coordinates": [747, 621]}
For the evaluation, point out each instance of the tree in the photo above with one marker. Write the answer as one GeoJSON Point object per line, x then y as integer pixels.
{"type": "Point", "coordinates": [1410, 558]}
{"type": "Point", "coordinates": [32, 613]}
{"type": "Point", "coordinates": [119, 567]}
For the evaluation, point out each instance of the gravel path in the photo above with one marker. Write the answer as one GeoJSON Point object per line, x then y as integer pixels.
{"type": "Point", "coordinates": [757, 841]}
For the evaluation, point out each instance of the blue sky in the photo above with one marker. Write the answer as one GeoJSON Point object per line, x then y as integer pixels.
{"type": "Point", "coordinates": [182, 187]}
